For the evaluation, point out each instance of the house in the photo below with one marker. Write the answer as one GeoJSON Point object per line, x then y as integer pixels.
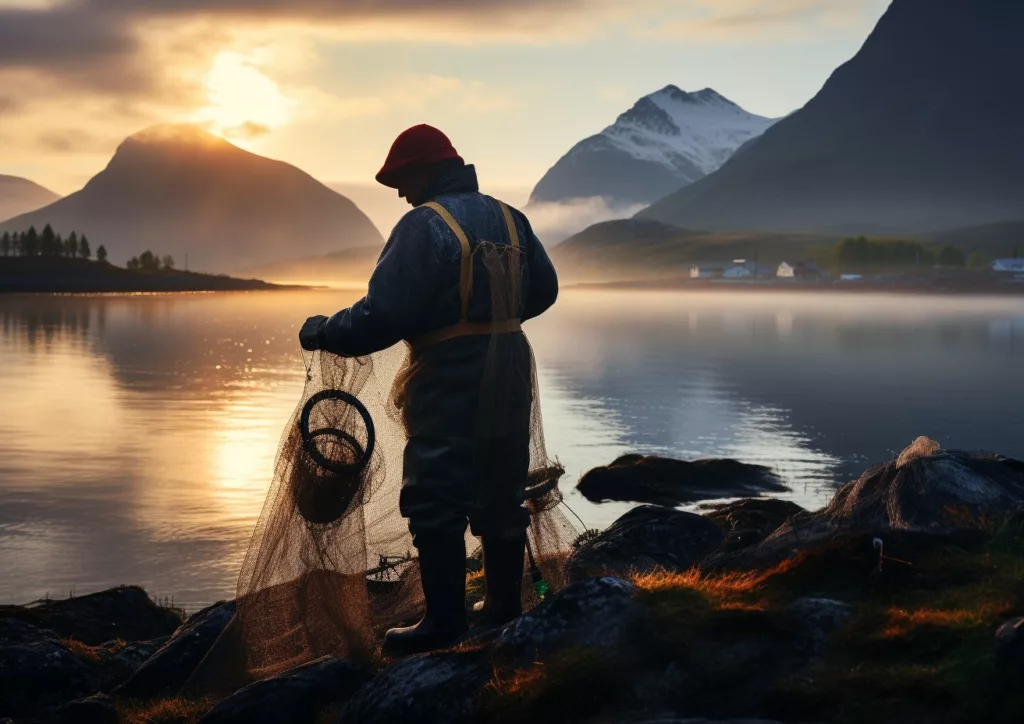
{"type": "Point", "coordinates": [850, 277]}
{"type": "Point", "coordinates": [706, 271]}
{"type": "Point", "coordinates": [738, 271]}
{"type": "Point", "coordinates": [1008, 265]}
{"type": "Point", "coordinates": [799, 270]}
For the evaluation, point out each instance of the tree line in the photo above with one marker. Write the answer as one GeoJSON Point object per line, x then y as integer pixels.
{"type": "Point", "coordinates": [861, 253]}
{"type": "Point", "coordinates": [49, 244]}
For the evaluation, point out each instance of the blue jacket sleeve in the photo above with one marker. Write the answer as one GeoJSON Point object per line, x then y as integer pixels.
{"type": "Point", "coordinates": [406, 278]}
{"type": "Point", "coordinates": [543, 289]}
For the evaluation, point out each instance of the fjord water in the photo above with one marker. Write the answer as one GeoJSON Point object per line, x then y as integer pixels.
{"type": "Point", "coordinates": [138, 433]}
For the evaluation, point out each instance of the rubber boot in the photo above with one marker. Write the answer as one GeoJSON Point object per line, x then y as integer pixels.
{"type": "Point", "coordinates": [443, 576]}
{"type": "Point", "coordinates": [503, 576]}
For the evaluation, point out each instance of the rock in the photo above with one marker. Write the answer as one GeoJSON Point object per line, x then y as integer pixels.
{"type": "Point", "coordinates": [924, 490]}
{"type": "Point", "coordinates": [295, 696]}
{"type": "Point", "coordinates": [96, 709]}
{"type": "Point", "coordinates": [124, 613]}
{"type": "Point", "coordinates": [40, 676]}
{"type": "Point", "coordinates": [664, 481]}
{"type": "Point", "coordinates": [16, 631]}
{"type": "Point", "coordinates": [437, 687]}
{"type": "Point", "coordinates": [167, 670]}
{"type": "Point", "coordinates": [749, 521]}
{"type": "Point", "coordinates": [819, 619]}
{"type": "Point", "coordinates": [644, 539]}
{"type": "Point", "coordinates": [445, 686]}
{"type": "Point", "coordinates": [130, 657]}
{"type": "Point", "coordinates": [1009, 646]}
{"type": "Point", "coordinates": [700, 721]}
{"type": "Point", "coordinates": [589, 614]}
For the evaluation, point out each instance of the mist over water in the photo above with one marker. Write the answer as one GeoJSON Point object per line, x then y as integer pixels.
{"type": "Point", "coordinates": [138, 432]}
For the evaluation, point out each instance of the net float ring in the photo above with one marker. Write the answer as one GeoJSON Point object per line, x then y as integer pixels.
{"type": "Point", "coordinates": [360, 455]}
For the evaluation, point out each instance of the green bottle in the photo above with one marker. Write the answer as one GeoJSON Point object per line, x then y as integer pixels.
{"type": "Point", "coordinates": [539, 584]}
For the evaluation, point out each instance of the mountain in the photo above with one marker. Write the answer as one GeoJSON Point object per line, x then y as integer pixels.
{"type": "Point", "coordinates": [178, 190]}
{"type": "Point", "coordinates": [922, 130]}
{"type": "Point", "coordinates": [667, 140]}
{"type": "Point", "coordinates": [18, 195]}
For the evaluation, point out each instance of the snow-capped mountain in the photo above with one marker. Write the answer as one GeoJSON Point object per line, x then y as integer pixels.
{"type": "Point", "coordinates": [668, 140]}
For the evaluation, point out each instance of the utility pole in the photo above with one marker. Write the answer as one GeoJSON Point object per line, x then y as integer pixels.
{"type": "Point", "coordinates": [186, 261]}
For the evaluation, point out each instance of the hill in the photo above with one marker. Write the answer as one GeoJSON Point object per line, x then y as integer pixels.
{"type": "Point", "coordinates": [18, 195]}
{"type": "Point", "coordinates": [667, 140]}
{"type": "Point", "coordinates": [922, 130]}
{"type": "Point", "coordinates": [58, 275]}
{"type": "Point", "coordinates": [179, 190]}
{"type": "Point", "coordinates": [642, 250]}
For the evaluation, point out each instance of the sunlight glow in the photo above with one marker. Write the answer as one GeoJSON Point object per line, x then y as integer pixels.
{"type": "Point", "coordinates": [243, 102]}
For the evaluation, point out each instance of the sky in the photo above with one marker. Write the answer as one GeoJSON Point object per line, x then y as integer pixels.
{"type": "Point", "coordinates": [327, 84]}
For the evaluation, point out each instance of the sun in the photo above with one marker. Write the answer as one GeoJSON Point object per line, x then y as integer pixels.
{"type": "Point", "coordinates": [243, 102]}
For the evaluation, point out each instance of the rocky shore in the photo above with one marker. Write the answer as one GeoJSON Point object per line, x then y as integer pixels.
{"type": "Point", "coordinates": [900, 601]}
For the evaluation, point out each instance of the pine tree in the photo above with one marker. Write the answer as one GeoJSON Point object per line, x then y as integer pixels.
{"type": "Point", "coordinates": [168, 262]}
{"type": "Point", "coordinates": [5, 244]}
{"type": "Point", "coordinates": [71, 245]}
{"type": "Point", "coordinates": [101, 252]}
{"type": "Point", "coordinates": [47, 242]}
{"type": "Point", "coordinates": [83, 247]}
{"type": "Point", "coordinates": [30, 243]}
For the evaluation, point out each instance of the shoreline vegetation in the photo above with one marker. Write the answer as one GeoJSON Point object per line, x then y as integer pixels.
{"type": "Point", "coordinates": [61, 275]}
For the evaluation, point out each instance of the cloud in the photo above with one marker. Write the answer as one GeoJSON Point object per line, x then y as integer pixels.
{"type": "Point", "coordinates": [553, 223]}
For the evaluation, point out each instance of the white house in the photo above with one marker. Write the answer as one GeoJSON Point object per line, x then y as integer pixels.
{"type": "Point", "coordinates": [1008, 265]}
{"type": "Point", "coordinates": [800, 269]}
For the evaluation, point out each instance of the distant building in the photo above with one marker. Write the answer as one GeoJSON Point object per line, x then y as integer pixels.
{"type": "Point", "coordinates": [799, 270]}
{"type": "Point", "coordinates": [738, 271]}
{"type": "Point", "coordinates": [707, 271]}
{"type": "Point", "coordinates": [850, 277]}
{"type": "Point", "coordinates": [1008, 265]}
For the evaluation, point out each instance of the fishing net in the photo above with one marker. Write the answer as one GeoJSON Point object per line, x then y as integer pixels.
{"type": "Point", "coordinates": [331, 563]}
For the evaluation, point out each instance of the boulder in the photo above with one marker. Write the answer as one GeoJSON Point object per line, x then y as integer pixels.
{"type": "Point", "coordinates": [751, 520]}
{"type": "Point", "coordinates": [16, 631]}
{"type": "Point", "coordinates": [37, 677]}
{"type": "Point", "coordinates": [96, 709]}
{"type": "Point", "coordinates": [445, 686]}
{"type": "Point", "coordinates": [167, 670]}
{"type": "Point", "coordinates": [1009, 646]}
{"type": "Point", "coordinates": [294, 696]}
{"type": "Point", "coordinates": [924, 490]}
{"type": "Point", "coordinates": [819, 618]}
{"type": "Point", "coordinates": [130, 657]}
{"type": "Point", "coordinates": [125, 613]}
{"type": "Point", "coordinates": [664, 481]}
{"type": "Point", "coordinates": [646, 538]}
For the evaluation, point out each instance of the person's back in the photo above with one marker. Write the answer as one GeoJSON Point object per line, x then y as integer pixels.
{"type": "Point", "coordinates": [457, 276]}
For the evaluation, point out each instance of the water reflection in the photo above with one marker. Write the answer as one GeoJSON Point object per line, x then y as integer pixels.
{"type": "Point", "coordinates": [138, 432]}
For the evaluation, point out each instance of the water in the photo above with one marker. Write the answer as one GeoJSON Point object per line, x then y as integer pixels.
{"type": "Point", "coordinates": [137, 433]}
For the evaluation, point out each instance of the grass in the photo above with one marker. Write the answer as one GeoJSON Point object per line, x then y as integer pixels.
{"type": "Point", "coordinates": [177, 710]}
{"type": "Point", "coordinates": [917, 649]}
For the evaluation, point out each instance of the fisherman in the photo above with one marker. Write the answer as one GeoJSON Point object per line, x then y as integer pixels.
{"type": "Point", "coordinates": [420, 292]}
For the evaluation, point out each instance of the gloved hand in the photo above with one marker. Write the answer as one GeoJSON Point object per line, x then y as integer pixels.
{"type": "Point", "coordinates": [308, 334]}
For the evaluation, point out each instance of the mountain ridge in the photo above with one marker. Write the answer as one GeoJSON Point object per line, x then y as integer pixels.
{"type": "Point", "coordinates": [19, 195]}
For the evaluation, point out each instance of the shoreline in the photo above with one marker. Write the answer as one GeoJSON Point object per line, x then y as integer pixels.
{"type": "Point", "coordinates": [1000, 289]}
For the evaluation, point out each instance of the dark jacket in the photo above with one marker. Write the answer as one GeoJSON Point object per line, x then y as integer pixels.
{"type": "Point", "coordinates": [414, 288]}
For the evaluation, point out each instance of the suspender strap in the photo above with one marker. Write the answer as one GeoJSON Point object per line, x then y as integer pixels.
{"type": "Point", "coordinates": [466, 272]}
{"type": "Point", "coordinates": [464, 327]}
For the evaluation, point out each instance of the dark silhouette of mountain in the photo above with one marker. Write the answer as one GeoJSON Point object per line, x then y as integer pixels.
{"type": "Point", "coordinates": [178, 190]}
{"type": "Point", "coordinates": [18, 195]}
{"type": "Point", "coordinates": [922, 130]}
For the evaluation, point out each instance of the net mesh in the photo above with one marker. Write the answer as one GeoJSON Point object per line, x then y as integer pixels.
{"type": "Point", "coordinates": [330, 564]}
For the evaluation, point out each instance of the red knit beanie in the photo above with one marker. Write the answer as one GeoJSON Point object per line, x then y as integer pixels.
{"type": "Point", "coordinates": [414, 148]}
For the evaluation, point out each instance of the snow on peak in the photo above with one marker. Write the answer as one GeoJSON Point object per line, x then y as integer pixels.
{"type": "Point", "coordinates": [681, 130]}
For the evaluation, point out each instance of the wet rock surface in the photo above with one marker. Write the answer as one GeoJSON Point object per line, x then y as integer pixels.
{"type": "Point", "coordinates": [296, 696]}
{"type": "Point", "coordinates": [664, 481]}
{"type": "Point", "coordinates": [170, 666]}
{"type": "Point", "coordinates": [647, 538]}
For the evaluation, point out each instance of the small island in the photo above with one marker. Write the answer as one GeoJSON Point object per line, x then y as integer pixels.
{"type": "Point", "coordinates": [44, 262]}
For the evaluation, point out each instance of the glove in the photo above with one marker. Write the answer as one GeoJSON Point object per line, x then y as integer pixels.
{"type": "Point", "coordinates": [309, 334]}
